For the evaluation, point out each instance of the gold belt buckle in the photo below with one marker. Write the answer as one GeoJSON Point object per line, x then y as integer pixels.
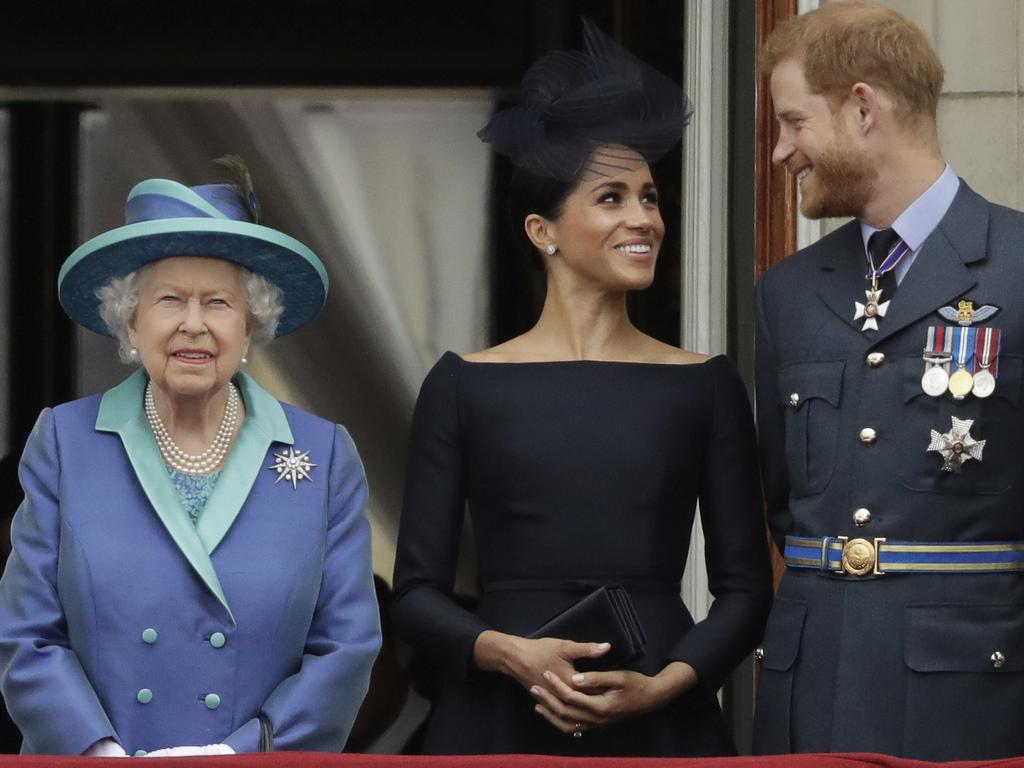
{"type": "Point", "coordinates": [860, 556]}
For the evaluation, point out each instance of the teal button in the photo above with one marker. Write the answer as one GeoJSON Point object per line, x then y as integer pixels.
{"type": "Point", "coordinates": [144, 696]}
{"type": "Point", "coordinates": [217, 639]}
{"type": "Point", "coordinates": [141, 753]}
{"type": "Point", "coordinates": [149, 635]}
{"type": "Point", "coordinates": [212, 700]}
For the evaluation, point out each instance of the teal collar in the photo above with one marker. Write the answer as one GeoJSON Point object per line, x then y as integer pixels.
{"type": "Point", "coordinates": [265, 423]}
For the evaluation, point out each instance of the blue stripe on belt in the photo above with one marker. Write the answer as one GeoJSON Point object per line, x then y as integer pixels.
{"type": "Point", "coordinates": [881, 556]}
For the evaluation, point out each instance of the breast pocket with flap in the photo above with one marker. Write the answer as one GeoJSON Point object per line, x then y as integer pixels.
{"type": "Point", "coordinates": [811, 392]}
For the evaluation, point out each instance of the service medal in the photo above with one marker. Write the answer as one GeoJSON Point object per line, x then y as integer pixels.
{"type": "Point", "coordinates": [984, 383]}
{"type": "Point", "coordinates": [960, 384]}
{"type": "Point", "coordinates": [987, 356]}
{"type": "Point", "coordinates": [935, 381]}
{"type": "Point", "coordinates": [937, 357]}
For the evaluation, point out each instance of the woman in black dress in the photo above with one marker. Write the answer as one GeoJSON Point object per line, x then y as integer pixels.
{"type": "Point", "coordinates": [582, 448]}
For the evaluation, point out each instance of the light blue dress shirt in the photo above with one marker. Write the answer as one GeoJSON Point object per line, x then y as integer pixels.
{"type": "Point", "coordinates": [919, 219]}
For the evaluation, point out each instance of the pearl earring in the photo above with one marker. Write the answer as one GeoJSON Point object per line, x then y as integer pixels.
{"type": "Point", "coordinates": [551, 249]}
{"type": "Point", "coordinates": [133, 353]}
{"type": "Point", "coordinates": [245, 360]}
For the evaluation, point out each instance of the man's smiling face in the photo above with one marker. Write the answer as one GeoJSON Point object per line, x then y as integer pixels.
{"type": "Point", "coordinates": [835, 175]}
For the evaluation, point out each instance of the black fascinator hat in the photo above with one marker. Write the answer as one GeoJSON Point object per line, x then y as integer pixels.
{"type": "Point", "coordinates": [581, 111]}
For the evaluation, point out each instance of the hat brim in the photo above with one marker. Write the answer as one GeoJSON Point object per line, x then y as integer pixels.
{"type": "Point", "coordinates": [281, 259]}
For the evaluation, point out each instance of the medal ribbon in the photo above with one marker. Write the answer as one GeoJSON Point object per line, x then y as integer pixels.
{"type": "Point", "coordinates": [940, 343]}
{"type": "Point", "coordinates": [965, 341]}
{"type": "Point", "coordinates": [889, 263]}
{"type": "Point", "coordinates": [986, 351]}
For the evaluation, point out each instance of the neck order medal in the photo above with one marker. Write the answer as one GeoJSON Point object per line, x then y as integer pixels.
{"type": "Point", "coordinates": [872, 309]}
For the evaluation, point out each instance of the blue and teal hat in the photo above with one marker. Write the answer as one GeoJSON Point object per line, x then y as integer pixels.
{"type": "Point", "coordinates": [164, 218]}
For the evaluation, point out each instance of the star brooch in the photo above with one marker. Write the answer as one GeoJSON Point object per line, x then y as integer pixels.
{"type": "Point", "coordinates": [872, 310]}
{"type": "Point", "coordinates": [957, 445]}
{"type": "Point", "coordinates": [292, 466]}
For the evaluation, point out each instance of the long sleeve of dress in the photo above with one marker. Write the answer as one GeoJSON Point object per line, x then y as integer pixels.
{"type": "Point", "coordinates": [313, 709]}
{"type": "Point", "coordinates": [739, 572]}
{"type": "Point", "coordinates": [424, 612]}
{"type": "Point", "coordinates": [47, 692]}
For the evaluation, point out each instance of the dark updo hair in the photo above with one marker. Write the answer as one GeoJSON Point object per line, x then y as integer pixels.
{"type": "Point", "coordinates": [575, 113]}
{"type": "Point", "coordinates": [529, 193]}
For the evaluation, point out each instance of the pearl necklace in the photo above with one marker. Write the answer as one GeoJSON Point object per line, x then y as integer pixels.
{"type": "Point", "coordinates": [193, 463]}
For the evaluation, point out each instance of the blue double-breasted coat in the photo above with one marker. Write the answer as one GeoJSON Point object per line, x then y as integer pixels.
{"type": "Point", "coordinates": [120, 619]}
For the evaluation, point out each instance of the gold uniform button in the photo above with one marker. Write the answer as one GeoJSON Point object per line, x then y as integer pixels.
{"type": "Point", "coordinates": [794, 399]}
{"type": "Point", "coordinates": [997, 659]}
{"type": "Point", "coordinates": [759, 654]}
{"type": "Point", "coordinates": [861, 517]}
{"type": "Point", "coordinates": [868, 436]}
{"type": "Point", "coordinates": [875, 359]}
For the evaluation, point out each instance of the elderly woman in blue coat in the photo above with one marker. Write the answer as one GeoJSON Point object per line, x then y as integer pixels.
{"type": "Point", "coordinates": [191, 563]}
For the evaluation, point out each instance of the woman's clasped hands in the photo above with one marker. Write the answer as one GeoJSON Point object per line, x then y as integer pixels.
{"type": "Point", "coordinates": [591, 700]}
{"type": "Point", "coordinates": [574, 701]}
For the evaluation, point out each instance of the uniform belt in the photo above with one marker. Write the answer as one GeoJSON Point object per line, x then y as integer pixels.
{"type": "Point", "coordinates": [879, 556]}
{"type": "Point", "coordinates": [580, 585]}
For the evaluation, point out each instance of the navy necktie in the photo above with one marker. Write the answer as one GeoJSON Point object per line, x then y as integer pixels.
{"type": "Point", "coordinates": [880, 244]}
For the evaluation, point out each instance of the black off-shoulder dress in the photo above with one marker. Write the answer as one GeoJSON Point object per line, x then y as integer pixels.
{"type": "Point", "coordinates": [578, 474]}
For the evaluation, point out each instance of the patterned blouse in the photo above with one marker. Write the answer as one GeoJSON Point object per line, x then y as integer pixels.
{"type": "Point", "coordinates": [193, 491]}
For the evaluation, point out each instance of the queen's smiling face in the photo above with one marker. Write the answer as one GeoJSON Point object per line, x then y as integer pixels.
{"type": "Point", "coordinates": [191, 325]}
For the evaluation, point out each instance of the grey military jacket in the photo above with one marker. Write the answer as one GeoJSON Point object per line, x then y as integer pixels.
{"type": "Point", "coordinates": [923, 665]}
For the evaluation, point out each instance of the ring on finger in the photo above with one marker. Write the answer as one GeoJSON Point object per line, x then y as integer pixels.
{"type": "Point", "coordinates": [577, 733]}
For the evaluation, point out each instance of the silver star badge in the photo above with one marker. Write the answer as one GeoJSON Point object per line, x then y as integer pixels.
{"type": "Point", "coordinates": [872, 310]}
{"type": "Point", "coordinates": [957, 445]}
{"type": "Point", "coordinates": [292, 466]}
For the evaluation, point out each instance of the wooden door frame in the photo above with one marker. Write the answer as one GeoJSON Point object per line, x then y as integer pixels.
{"type": "Point", "coordinates": [775, 212]}
{"type": "Point", "coordinates": [775, 203]}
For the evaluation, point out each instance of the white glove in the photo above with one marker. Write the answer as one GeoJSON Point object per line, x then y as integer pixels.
{"type": "Point", "coordinates": [209, 749]}
{"type": "Point", "coordinates": [105, 748]}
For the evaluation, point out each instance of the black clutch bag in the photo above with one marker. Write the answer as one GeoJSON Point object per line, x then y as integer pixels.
{"type": "Point", "coordinates": [606, 615]}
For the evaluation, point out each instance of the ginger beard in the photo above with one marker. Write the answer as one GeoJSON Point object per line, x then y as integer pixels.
{"type": "Point", "coordinates": [841, 180]}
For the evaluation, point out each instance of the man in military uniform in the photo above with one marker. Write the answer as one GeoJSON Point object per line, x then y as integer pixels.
{"type": "Point", "coordinates": [890, 414]}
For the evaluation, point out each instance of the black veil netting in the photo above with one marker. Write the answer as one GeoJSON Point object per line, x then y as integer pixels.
{"type": "Point", "coordinates": [581, 112]}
